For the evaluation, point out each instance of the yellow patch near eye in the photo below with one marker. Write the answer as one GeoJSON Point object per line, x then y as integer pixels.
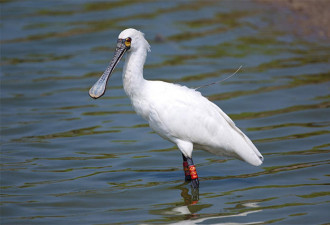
{"type": "Point", "coordinates": [128, 42]}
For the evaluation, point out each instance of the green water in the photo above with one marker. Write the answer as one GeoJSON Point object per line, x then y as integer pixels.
{"type": "Point", "coordinates": [69, 159]}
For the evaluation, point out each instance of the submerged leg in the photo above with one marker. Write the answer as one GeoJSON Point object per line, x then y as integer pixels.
{"type": "Point", "coordinates": [193, 173]}
{"type": "Point", "coordinates": [186, 169]}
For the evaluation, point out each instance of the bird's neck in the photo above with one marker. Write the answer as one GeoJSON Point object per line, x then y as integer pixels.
{"type": "Point", "coordinates": [133, 72]}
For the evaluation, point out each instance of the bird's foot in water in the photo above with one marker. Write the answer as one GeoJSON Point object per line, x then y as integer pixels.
{"type": "Point", "coordinates": [190, 199]}
{"type": "Point", "coordinates": [195, 196]}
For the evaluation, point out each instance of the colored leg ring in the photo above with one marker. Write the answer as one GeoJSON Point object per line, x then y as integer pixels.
{"type": "Point", "coordinates": [193, 172]}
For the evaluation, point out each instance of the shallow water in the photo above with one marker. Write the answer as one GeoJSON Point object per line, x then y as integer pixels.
{"type": "Point", "coordinates": [68, 158]}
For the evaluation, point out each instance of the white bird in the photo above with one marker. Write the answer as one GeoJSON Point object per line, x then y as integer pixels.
{"type": "Point", "coordinates": [177, 113]}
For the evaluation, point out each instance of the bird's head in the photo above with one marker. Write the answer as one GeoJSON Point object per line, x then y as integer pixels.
{"type": "Point", "coordinates": [133, 40]}
{"type": "Point", "coordinates": [129, 40]}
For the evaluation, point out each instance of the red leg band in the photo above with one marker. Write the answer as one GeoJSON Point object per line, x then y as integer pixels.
{"type": "Point", "coordinates": [193, 173]}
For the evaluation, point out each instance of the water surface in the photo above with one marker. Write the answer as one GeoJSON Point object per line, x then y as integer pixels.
{"type": "Point", "coordinates": [68, 158]}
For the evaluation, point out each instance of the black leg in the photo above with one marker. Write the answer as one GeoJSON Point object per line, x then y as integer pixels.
{"type": "Point", "coordinates": [186, 169]}
{"type": "Point", "coordinates": [193, 174]}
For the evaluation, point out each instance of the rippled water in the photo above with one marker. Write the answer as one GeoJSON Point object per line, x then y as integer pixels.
{"type": "Point", "coordinates": [67, 158]}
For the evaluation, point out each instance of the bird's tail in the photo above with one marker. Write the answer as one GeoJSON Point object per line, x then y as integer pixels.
{"type": "Point", "coordinates": [250, 153]}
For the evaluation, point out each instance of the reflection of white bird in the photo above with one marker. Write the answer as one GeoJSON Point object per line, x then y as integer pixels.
{"type": "Point", "coordinates": [177, 113]}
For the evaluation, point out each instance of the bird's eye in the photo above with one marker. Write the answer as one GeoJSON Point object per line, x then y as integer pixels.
{"type": "Point", "coordinates": [128, 42]}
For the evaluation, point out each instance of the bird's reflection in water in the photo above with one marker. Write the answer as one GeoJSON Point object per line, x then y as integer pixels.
{"type": "Point", "coordinates": [190, 209]}
{"type": "Point", "coordinates": [190, 199]}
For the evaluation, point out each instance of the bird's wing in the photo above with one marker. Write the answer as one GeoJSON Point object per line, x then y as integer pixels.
{"type": "Point", "coordinates": [180, 112]}
{"type": "Point", "coordinates": [195, 121]}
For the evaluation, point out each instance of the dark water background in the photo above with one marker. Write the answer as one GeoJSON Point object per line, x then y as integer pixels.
{"type": "Point", "coordinates": [69, 159]}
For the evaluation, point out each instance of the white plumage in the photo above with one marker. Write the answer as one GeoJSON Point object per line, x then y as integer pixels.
{"type": "Point", "coordinates": [177, 113]}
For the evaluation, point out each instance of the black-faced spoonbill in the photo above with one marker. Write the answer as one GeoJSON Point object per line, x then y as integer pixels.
{"type": "Point", "coordinates": [177, 113]}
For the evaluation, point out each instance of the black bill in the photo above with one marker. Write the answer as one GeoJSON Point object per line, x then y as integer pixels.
{"type": "Point", "coordinates": [99, 87]}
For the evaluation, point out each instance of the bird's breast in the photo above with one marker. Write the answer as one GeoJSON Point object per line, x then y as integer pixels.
{"type": "Point", "coordinates": [141, 106]}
